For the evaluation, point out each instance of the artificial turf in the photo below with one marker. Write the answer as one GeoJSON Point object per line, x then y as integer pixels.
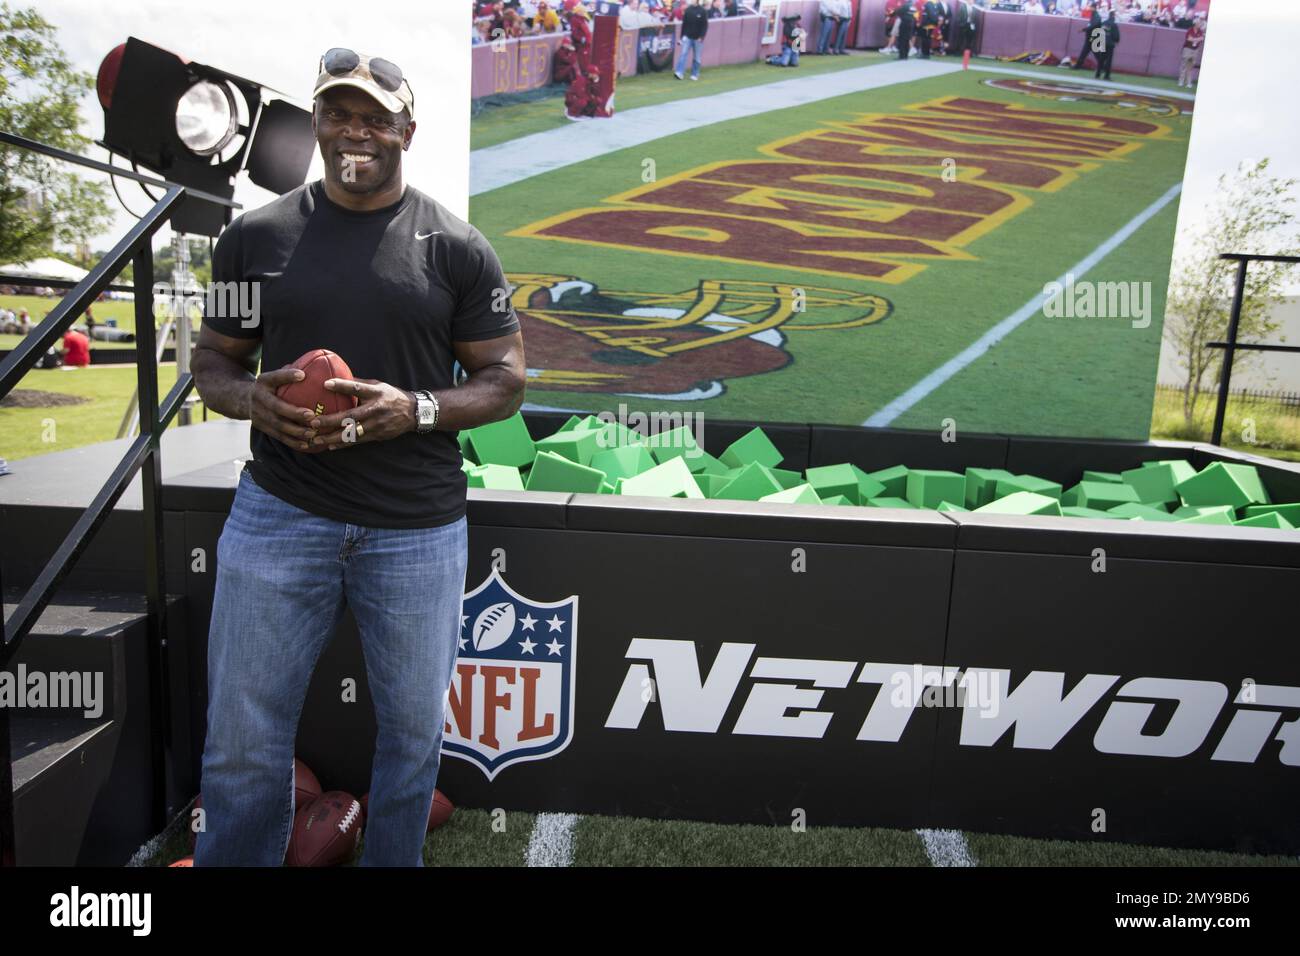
{"type": "Point", "coordinates": [1081, 377]}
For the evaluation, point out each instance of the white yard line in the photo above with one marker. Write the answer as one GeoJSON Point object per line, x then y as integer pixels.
{"type": "Point", "coordinates": [495, 166]}
{"type": "Point", "coordinates": [1004, 328]}
{"type": "Point", "coordinates": [946, 848]}
{"type": "Point", "coordinates": [552, 841]}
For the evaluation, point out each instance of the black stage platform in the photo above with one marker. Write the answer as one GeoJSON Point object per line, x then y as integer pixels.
{"type": "Point", "coordinates": [716, 682]}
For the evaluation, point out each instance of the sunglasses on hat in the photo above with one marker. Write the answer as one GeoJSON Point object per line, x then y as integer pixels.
{"type": "Point", "coordinates": [340, 61]}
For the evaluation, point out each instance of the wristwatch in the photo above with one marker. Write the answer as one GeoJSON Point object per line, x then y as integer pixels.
{"type": "Point", "coordinates": [426, 411]}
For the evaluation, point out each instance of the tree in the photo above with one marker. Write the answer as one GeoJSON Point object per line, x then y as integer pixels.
{"type": "Point", "coordinates": [41, 200]}
{"type": "Point", "coordinates": [1251, 213]}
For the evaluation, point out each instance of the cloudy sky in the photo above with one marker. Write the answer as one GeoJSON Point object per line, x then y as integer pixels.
{"type": "Point", "coordinates": [1242, 109]}
{"type": "Point", "coordinates": [1248, 77]}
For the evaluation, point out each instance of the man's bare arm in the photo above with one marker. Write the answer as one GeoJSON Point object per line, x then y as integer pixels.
{"type": "Point", "coordinates": [225, 374]}
{"type": "Point", "coordinates": [495, 388]}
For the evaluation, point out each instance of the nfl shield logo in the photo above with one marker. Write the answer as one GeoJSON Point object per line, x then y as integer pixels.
{"type": "Point", "coordinates": [511, 696]}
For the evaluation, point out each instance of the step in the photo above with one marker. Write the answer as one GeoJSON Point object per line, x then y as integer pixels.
{"type": "Point", "coordinates": [82, 769]}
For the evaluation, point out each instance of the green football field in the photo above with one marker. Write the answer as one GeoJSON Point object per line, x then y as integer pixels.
{"type": "Point", "coordinates": [519, 839]}
{"type": "Point", "coordinates": [674, 273]}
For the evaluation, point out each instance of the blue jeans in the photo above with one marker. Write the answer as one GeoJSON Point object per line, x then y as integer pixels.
{"type": "Point", "coordinates": [827, 35]}
{"type": "Point", "coordinates": [788, 56]}
{"type": "Point", "coordinates": [689, 46]}
{"type": "Point", "coordinates": [283, 577]}
{"type": "Point", "coordinates": [843, 37]}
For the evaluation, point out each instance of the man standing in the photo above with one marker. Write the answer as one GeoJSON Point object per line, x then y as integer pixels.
{"type": "Point", "coordinates": [906, 24]}
{"type": "Point", "coordinates": [929, 20]}
{"type": "Point", "coordinates": [1110, 41]}
{"type": "Point", "coordinates": [1192, 42]}
{"type": "Point", "coordinates": [695, 25]}
{"type": "Point", "coordinates": [363, 508]}
{"type": "Point", "coordinates": [963, 35]}
{"type": "Point", "coordinates": [828, 10]}
{"type": "Point", "coordinates": [844, 20]}
{"type": "Point", "coordinates": [1092, 31]}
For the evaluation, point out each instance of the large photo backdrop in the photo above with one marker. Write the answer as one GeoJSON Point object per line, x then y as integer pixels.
{"type": "Point", "coordinates": [858, 240]}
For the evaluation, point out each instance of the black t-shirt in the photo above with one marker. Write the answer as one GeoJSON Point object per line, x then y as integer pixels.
{"type": "Point", "coordinates": [387, 290]}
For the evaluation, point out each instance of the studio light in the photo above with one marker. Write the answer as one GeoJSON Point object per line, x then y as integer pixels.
{"type": "Point", "coordinates": [200, 126]}
{"type": "Point", "coordinates": [206, 118]}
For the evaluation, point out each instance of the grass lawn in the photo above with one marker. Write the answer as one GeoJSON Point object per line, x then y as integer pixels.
{"type": "Point", "coordinates": [37, 306]}
{"type": "Point", "coordinates": [106, 390]}
{"type": "Point", "coordinates": [1276, 433]}
{"type": "Point", "coordinates": [482, 838]}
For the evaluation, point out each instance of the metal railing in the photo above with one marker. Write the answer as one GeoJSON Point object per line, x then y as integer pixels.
{"type": "Point", "coordinates": [143, 455]}
{"type": "Point", "coordinates": [1231, 346]}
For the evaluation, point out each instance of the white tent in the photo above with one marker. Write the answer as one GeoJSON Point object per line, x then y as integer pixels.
{"type": "Point", "coordinates": [47, 268]}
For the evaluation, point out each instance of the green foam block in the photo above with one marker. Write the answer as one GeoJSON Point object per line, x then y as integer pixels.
{"type": "Point", "coordinates": [751, 483]}
{"type": "Point", "coordinates": [674, 443]}
{"type": "Point", "coordinates": [577, 444]}
{"type": "Point", "coordinates": [788, 479]}
{"type": "Point", "coordinates": [799, 494]}
{"type": "Point", "coordinates": [894, 479]}
{"type": "Point", "coordinates": [836, 500]}
{"type": "Point", "coordinates": [552, 472]}
{"type": "Point", "coordinates": [1031, 483]}
{"type": "Point", "coordinates": [1101, 495]}
{"type": "Point", "coordinates": [1155, 484]}
{"type": "Point", "coordinates": [710, 485]}
{"type": "Point", "coordinates": [502, 443]}
{"type": "Point", "coordinates": [1022, 503]}
{"type": "Point", "coordinates": [1211, 516]}
{"type": "Point", "coordinates": [753, 447]}
{"type": "Point", "coordinates": [1201, 511]}
{"type": "Point", "coordinates": [705, 464]}
{"type": "Point", "coordinates": [926, 487]}
{"type": "Point", "coordinates": [889, 502]}
{"type": "Point", "coordinates": [982, 485]}
{"type": "Point", "coordinates": [500, 477]}
{"type": "Point", "coordinates": [844, 479]}
{"type": "Point", "coordinates": [623, 462]}
{"type": "Point", "coordinates": [1107, 476]}
{"type": "Point", "coordinates": [1141, 512]}
{"type": "Point", "coordinates": [1222, 483]}
{"type": "Point", "coordinates": [949, 506]}
{"type": "Point", "coordinates": [1079, 511]}
{"type": "Point", "coordinates": [1269, 519]}
{"type": "Point", "coordinates": [1291, 512]}
{"type": "Point", "coordinates": [672, 479]}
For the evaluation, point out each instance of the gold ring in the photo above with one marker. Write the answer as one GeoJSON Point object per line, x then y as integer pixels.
{"type": "Point", "coordinates": [361, 430]}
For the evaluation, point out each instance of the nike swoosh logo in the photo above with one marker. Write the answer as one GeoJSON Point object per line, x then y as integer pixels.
{"type": "Point", "coordinates": [427, 234]}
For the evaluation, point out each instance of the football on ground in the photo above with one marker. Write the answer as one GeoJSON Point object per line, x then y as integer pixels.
{"type": "Point", "coordinates": [326, 831]}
